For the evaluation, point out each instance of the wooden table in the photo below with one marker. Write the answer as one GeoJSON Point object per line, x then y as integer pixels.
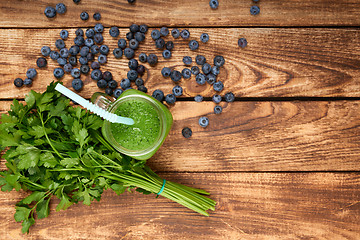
{"type": "Point", "coordinates": [282, 161]}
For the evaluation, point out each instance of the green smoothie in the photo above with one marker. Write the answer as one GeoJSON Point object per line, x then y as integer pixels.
{"type": "Point", "coordinates": [146, 129]}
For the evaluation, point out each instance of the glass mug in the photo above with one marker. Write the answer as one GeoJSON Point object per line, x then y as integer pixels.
{"type": "Point", "coordinates": [111, 104]}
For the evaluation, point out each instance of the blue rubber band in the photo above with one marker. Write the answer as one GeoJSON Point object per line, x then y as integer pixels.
{"type": "Point", "coordinates": [162, 188]}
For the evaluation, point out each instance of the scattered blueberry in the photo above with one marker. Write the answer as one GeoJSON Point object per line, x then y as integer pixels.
{"type": "Point", "coordinates": [45, 51]}
{"type": "Point", "coordinates": [141, 70]}
{"type": "Point", "coordinates": [186, 73]}
{"type": "Point", "coordinates": [185, 34]}
{"type": "Point", "coordinates": [166, 54]}
{"type": "Point", "coordinates": [200, 60]}
{"type": "Point", "coordinates": [108, 91]}
{"type": "Point", "coordinates": [79, 41]}
{"type": "Point", "coordinates": [60, 44]}
{"type": "Point", "coordinates": [143, 57]}
{"type": "Point", "coordinates": [75, 73]}
{"type": "Point", "coordinates": [175, 33]}
{"type": "Point", "coordinates": [118, 53]}
{"type": "Point", "coordinates": [211, 78]}
{"type": "Point", "coordinates": [60, 8]}
{"type": "Point", "coordinates": [102, 59]}
{"type": "Point", "coordinates": [58, 72]}
{"type": "Point", "coordinates": [107, 76]}
{"type": "Point", "coordinates": [198, 98]}
{"type": "Point", "coordinates": [242, 42]}
{"type": "Point", "coordinates": [195, 70]}
{"type": "Point", "coordinates": [139, 82]}
{"type": "Point", "coordinates": [54, 55]}
{"type": "Point", "coordinates": [104, 49]}
{"type": "Point", "coordinates": [98, 38]}
{"type": "Point", "coordinates": [186, 132]}
{"type": "Point", "coordinates": [84, 60]}
{"type": "Point", "coordinates": [219, 61]}
{"type": "Point", "coordinates": [170, 99]}
{"type": "Point", "coordinates": [206, 68]}
{"type": "Point", "coordinates": [155, 34]}
{"type": "Point", "coordinates": [133, 44]}
{"type": "Point", "coordinates": [84, 16]}
{"type": "Point", "coordinates": [61, 61]}
{"type": "Point", "coordinates": [166, 72]}
{"type": "Point", "coordinates": [143, 28]}
{"type": "Point", "coordinates": [112, 84]}
{"type": "Point", "coordinates": [99, 28]}
{"type": "Point", "coordinates": [27, 82]}
{"type": "Point", "coordinates": [164, 31]}
{"type": "Point", "coordinates": [218, 86]}
{"type": "Point", "coordinates": [158, 95]}
{"type": "Point", "coordinates": [85, 69]}
{"type": "Point", "coordinates": [134, 28]}
{"type": "Point", "coordinates": [193, 45]}
{"type": "Point", "coordinates": [200, 79]}
{"type": "Point", "coordinates": [215, 70]}
{"type": "Point", "coordinates": [76, 1]}
{"type": "Point", "coordinates": [229, 97]}
{"type": "Point", "coordinates": [132, 75]}
{"type": "Point", "coordinates": [89, 42]}
{"type": "Point", "coordinates": [97, 16]}
{"type": "Point", "coordinates": [64, 52]}
{"type": "Point", "coordinates": [152, 59]}
{"type": "Point", "coordinates": [177, 91]}
{"type": "Point", "coordinates": [139, 36]}
{"type": "Point", "coordinates": [84, 51]}
{"type": "Point", "coordinates": [67, 67]}
{"type": "Point", "coordinates": [90, 57]}
{"type": "Point", "coordinates": [204, 37]}
{"type": "Point", "coordinates": [169, 45]}
{"type": "Point", "coordinates": [64, 34]}
{"type": "Point", "coordinates": [114, 31]}
{"type": "Point", "coordinates": [203, 121]}
{"type": "Point", "coordinates": [187, 60]}
{"type": "Point", "coordinates": [41, 62]}
{"type": "Point", "coordinates": [77, 84]}
{"type": "Point", "coordinates": [129, 35]}
{"type": "Point", "coordinates": [129, 53]}
{"type": "Point", "coordinates": [175, 76]}
{"type": "Point", "coordinates": [133, 64]}
{"type": "Point", "coordinates": [50, 12]}
{"type": "Point", "coordinates": [74, 50]}
{"type": "Point", "coordinates": [117, 92]}
{"type": "Point", "coordinates": [79, 32]}
{"type": "Point", "coordinates": [217, 109]}
{"type": "Point", "coordinates": [122, 43]}
{"type": "Point", "coordinates": [31, 73]}
{"type": "Point", "coordinates": [254, 10]}
{"type": "Point", "coordinates": [216, 98]}
{"type": "Point", "coordinates": [214, 4]}
{"type": "Point", "coordinates": [101, 84]}
{"type": "Point", "coordinates": [90, 33]}
{"type": "Point", "coordinates": [160, 43]}
{"type": "Point", "coordinates": [95, 65]}
{"type": "Point", "coordinates": [142, 88]}
{"type": "Point", "coordinates": [18, 82]}
{"type": "Point", "coordinates": [96, 74]}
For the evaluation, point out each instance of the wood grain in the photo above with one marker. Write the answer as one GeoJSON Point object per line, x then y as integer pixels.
{"type": "Point", "coordinates": [263, 136]}
{"type": "Point", "coordinates": [250, 206]}
{"type": "Point", "coordinates": [276, 63]}
{"type": "Point", "coordinates": [30, 13]}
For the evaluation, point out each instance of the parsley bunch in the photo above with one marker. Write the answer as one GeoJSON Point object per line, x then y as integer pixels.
{"type": "Point", "coordinates": [56, 149]}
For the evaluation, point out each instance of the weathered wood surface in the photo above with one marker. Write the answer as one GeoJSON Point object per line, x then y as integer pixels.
{"type": "Point", "coordinates": [276, 63]}
{"type": "Point", "coordinates": [250, 206]}
{"type": "Point", "coordinates": [263, 136]}
{"type": "Point", "coordinates": [184, 13]}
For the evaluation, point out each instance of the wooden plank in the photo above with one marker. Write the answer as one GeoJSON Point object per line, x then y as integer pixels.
{"type": "Point", "coordinates": [185, 13]}
{"type": "Point", "coordinates": [276, 62]}
{"type": "Point", "coordinates": [250, 206]}
{"type": "Point", "coordinates": [263, 136]}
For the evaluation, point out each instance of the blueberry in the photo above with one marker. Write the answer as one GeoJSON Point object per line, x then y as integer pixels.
{"type": "Point", "coordinates": [219, 61]}
{"type": "Point", "coordinates": [102, 59]}
{"type": "Point", "coordinates": [152, 59]}
{"type": "Point", "coordinates": [229, 97]}
{"type": "Point", "coordinates": [61, 61]}
{"type": "Point", "coordinates": [107, 76]}
{"type": "Point", "coordinates": [195, 70]}
{"type": "Point", "coordinates": [84, 16]}
{"type": "Point", "coordinates": [84, 60]}
{"type": "Point", "coordinates": [193, 45]}
{"type": "Point", "coordinates": [170, 99]}
{"type": "Point", "coordinates": [206, 68]}
{"type": "Point", "coordinates": [60, 44]}
{"type": "Point", "coordinates": [214, 4]}
{"type": "Point", "coordinates": [242, 42]}
{"type": "Point", "coordinates": [134, 28]}
{"type": "Point", "coordinates": [101, 84]}
{"type": "Point", "coordinates": [160, 43]}
{"type": "Point", "coordinates": [90, 33]}
{"type": "Point", "coordinates": [122, 43]}
{"type": "Point", "coordinates": [203, 121]}
{"type": "Point", "coordinates": [129, 53]}
{"type": "Point", "coordinates": [143, 57]}
{"type": "Point", "coordinates": [175, 33]}
{"type": "Point", "coordinates": [84, 51]}
{"type": "Point", "coordinates": [187, 60]}
{"type": "Point", "coordinates": [85, 69]}
{"type": "Point", "coordinates": [114, 31]}
{"type": "Point", "coordinates": [166, 54]}
{"type": "Point", "coordinates": [50, 12]}
{"type": "Point", "coordinates": [90, 57]}
{"type": "Point", "coordinates": [95, 49]}
{"type": "Point", "coordinates": [104, 49]}
{"type": "Point", "coordinates": [117, 92]}
{"type": "Point", "coordinates": [215, 70]}
{"type": "Point", "coordinates": [118, 53]}
{"type": "Point", "coordinates": [41, 62]}
{"type": "Point", "coordinates": [139, 82]}
{"type": "Point", "coordinates": [98, 38]}
{"type": "Point", "coordinates": [155, 34]}
{"type": "Point", "coordinates": [79, 32]}
{"type": "Point", "coordinates": [77, 84]}
{"type": "Point", "coordinates": [95, 65]}
{"type": "Point", "coordinates": [186, 132]}
{"type": "Point", "coordinates": [204, 37]}
{"type": "Point", "coordinates": [109, 91]}
{"type": "Point", "coordinates": [143, 28]}
{"type": "Point", "coordinates": [74, 50]}
{"type": "Point", "coordinates": [200, 60]}
{"type": "Point", "coordinates": [142, 88]}
{"type": "Point", "coordinates": [200, 79]}
{"type": "Point", "coordinates": [198, 98]}
{"type": "Point", "coordinates": [75, 73]}
{"type": "Point", "coordinates": [64, 34]}
{"type": "Point", "coordinates": [217, 109]}
{"type": "Point", "coordinates": [27, 82]}
{"type": "Point", "coordinates": [112, 84]}
{"type": "Point", "coordinates": [185, 34]}
{"type": "Point", "coordinates": [18, 82]}
{"type": "Point", "coordinates": [67, 67]}
{"type": "Point", "coordinates": [254, 10]}
{"type": "Point", "coordinates": [99, 28]}
{"type": "Point", "coordinates": [186, 73]}
{"type": "Point", "coordinates": [218, 86]}
{"type": "Point", "coordinates": [89, 42]}
{"type": "Point", "coordinates": [175, 76]}
{"type": "Point", "coordinates": [166, 72]}
{"type": "Point", "coordinates": [97, 16]}
{"type": "Point", "coordinates": [64, 52]}
{"type": "Point", "coordinates": [169, 45]}
{"type": "Point", "coordinates": [141, 70]}
{"type": "Point", "coordinates": [255, 1]}
{"type": "Point", "coordinates": [132, 75]}
{"type": "Point", "coordinates": [211, 78]}
{"type": "Point", "coordinates": [129, 36]}
{"type": "Point", "coordinates": [72, 60]}
{"type": "Point", "coordinates": [133, 44]}
{"type": "Point", "coordinates": [216, 98]}
{"type": "Point", "coordinates": [164, 31]}
{"type": "Point", "coordinates": [96, 74]}
{"type": "Point", "coordinates": [58, 72]}
{"type": "Point", "coordinates": [60, 8]}
{"type": "Point", "coordinates": [79, 41]}
{"type": "Point", "coordinates": [31, 73]}
{"type": "Point", "coordinates": [177, 91]}
{"type": "Point", "coordinates": [45, 51]}
{"type": "Point", "coordinates": [139, 36]}
{"type": "Point", "coordinates": [131, 1]}
{"type": "Point", "coordinates": [158, 95]}
{"type": "Point", "coordinates": [133, 64]}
